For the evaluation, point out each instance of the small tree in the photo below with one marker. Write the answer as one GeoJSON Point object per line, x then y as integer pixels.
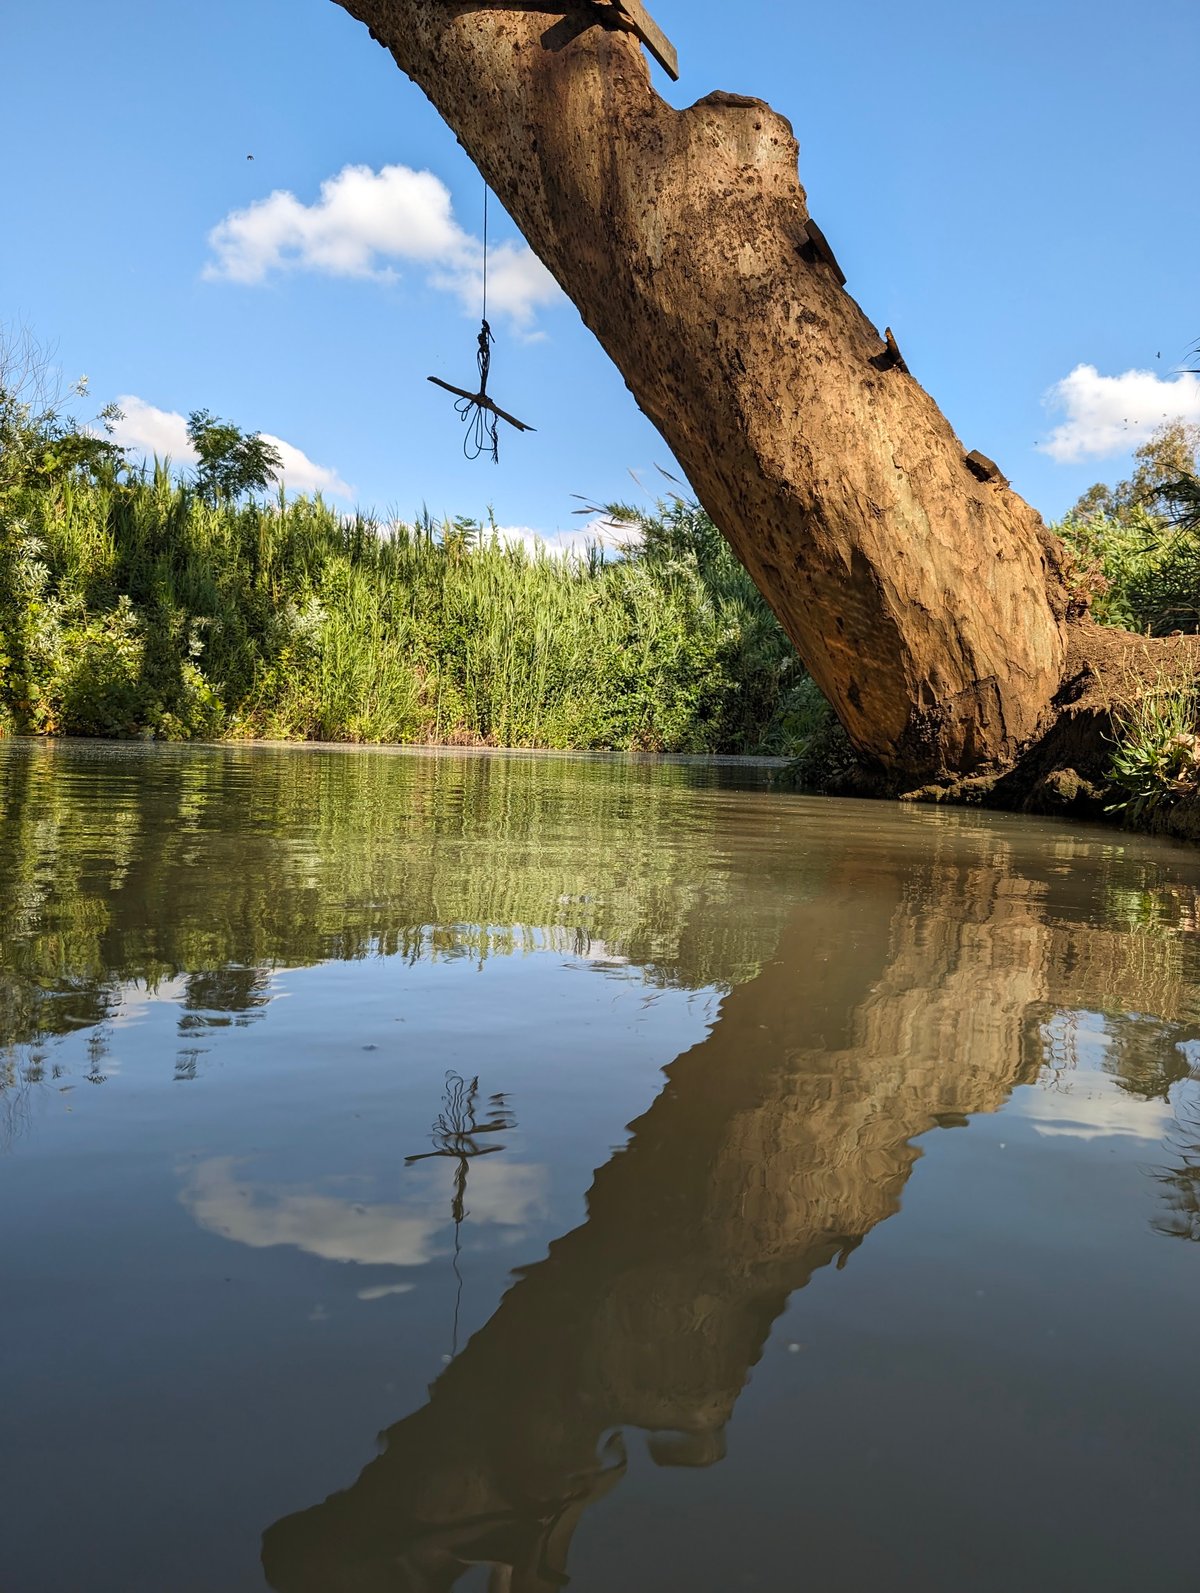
{"type": "Point", "coordinates": [1182, 500]}
{"type": "Point", "coordinates": [39, 442]}
{"type": "Point", "coordinates": [1182, 494]}
{"type": "Point", "coordinates": [1168, 456]}
{"type": "Point", "coordinates": [232, 462]}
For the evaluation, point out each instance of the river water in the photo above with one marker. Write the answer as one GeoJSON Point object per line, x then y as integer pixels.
{"type": "Point", "coordinates": [428, 1171]}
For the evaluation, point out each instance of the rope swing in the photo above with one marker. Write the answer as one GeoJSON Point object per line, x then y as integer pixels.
{"type": "Point", "coordinates": [476, 410]}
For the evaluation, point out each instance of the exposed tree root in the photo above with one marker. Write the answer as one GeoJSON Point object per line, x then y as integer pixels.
{"type": "Point", "coordinates": [1066, 770]}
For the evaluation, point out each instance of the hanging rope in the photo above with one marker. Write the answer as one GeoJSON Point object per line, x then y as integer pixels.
{"type": "Point", "coordinates": [476, 410]}
{"type": "Point", "coordinates": [483, 435]}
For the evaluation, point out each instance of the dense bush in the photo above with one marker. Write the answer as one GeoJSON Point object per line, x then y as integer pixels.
{"type": "Point", "coordinates": [1136, 545]}
{"type": "Point", "coordinates": [1142, 572]}
{"type": "Point", "coordinates": [138, 605]}
{"type": "Point", "coordinates": [1156, 749]}
{"type": "Point", "coordinates": [1136, 553]}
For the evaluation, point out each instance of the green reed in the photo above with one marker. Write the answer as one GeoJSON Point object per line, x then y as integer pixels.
{"type": "Point", "coordinates": [133, 607]}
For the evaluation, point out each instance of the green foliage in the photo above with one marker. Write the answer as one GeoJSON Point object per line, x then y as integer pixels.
{"type": "Point", "coordinates": [1182, 498]}
{"type": "Point", "coordinates": [1137, 545]}
{"type": "Point", "coordinates": [133, 605]}
{"type": "Point", "coordinates": [767, 695]}
{"type": "Point", "coordinates": [1156, 756]}
{"type": "Point", "coordinates": [1165, 457]}
{"type": "Point", "coordinates": [1143, 574]}
{"type": "Point", "coordinates": [826, 756]}
{"type": "Point", "coordinates": [232, 462]}
{"type": "Point", "coordinates": [39, 447]}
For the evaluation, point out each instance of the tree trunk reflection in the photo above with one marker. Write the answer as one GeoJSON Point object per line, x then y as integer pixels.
{"type": "Point", "coordinates": [775, 1146]}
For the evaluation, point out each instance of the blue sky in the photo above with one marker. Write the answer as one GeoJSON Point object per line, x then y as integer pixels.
{"type": "Point", "coordinates": [1012, 187]}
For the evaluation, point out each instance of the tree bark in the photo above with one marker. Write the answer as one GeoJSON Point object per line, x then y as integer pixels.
{"type": "Point", "coordinates": [924, 596]}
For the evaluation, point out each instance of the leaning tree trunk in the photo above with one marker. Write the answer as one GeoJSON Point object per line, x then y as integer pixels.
{"type": "Point", "coordinates": [924, 596]}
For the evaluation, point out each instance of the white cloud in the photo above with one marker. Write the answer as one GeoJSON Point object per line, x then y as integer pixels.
{"type": "Point", "coordinates": [153, 432]}
{"type": "Point", "coordinates": [150, 432]}
{"type": "Point", "coordinates": [322, 1225]}
{"type": "Point", "coordinates": [386, 1291]}
{"type": "Point", "coordinates": [264, 1216]}
{"type": "Point", "coordinates": [608, 534]}
{"type": "Point", "coordinates": [1114, 414]}
{"type": "Point", "coordinates": [364, 224]}
{"type": "Point", "coordinates": [301, 474]}
{"type": "Point", "coordinates": [1100, 1112]}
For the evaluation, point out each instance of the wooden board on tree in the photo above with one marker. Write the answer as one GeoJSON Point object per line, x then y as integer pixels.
{"type": "Point", "coordinates": [652, 36]}
{"type": "Point", "coordinates": [638, 21]}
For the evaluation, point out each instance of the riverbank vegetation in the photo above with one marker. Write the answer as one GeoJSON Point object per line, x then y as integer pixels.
{"type": "Point", "coordinates": [135, 603]}
{"type": "Point", "coordinates": [144, 603]}
{"type": "Point", "coordinates": [1136, 545]}
{"type": "Point", "coordinates": [1136, 550]}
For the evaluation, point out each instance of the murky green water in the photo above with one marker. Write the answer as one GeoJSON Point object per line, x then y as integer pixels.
{"type": "Point", "coordinates": [428, 1172]}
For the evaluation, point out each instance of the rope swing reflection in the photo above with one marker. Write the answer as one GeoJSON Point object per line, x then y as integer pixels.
{"type": "Point", "coordinates": [455, 1136]}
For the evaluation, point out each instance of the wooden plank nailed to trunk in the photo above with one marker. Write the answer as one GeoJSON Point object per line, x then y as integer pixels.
{"type": "Point", "coordinates": [651, 35]}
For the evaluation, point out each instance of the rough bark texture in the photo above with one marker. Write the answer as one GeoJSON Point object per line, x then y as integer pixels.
{"type": "Point", "coordinates": [1067, 770]}
{"type": "Point", "coordinates": [924, 596]}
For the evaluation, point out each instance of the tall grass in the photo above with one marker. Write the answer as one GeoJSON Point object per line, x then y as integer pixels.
{"type": "Point", "coordinates": [131, 606]}
{"type": "Point", "coordinates": [1141, 572]}
{"type": "Point", "coordinates": [1156, 747]}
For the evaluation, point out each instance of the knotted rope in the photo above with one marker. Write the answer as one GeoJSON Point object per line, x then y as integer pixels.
{"type": "Point", "coordinates": [476, 410]}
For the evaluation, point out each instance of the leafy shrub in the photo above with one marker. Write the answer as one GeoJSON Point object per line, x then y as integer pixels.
{"type": "Point", "coordinates": [1143, 574]}
{"type": "Point", "coordinates": [232, 462]}
{"type": "Point", "coordinates": [132, 604]}
{"type": "Point", "coordinates": [1156, 757]}
{"type": "Point", "coordinates": [1136, 546]}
